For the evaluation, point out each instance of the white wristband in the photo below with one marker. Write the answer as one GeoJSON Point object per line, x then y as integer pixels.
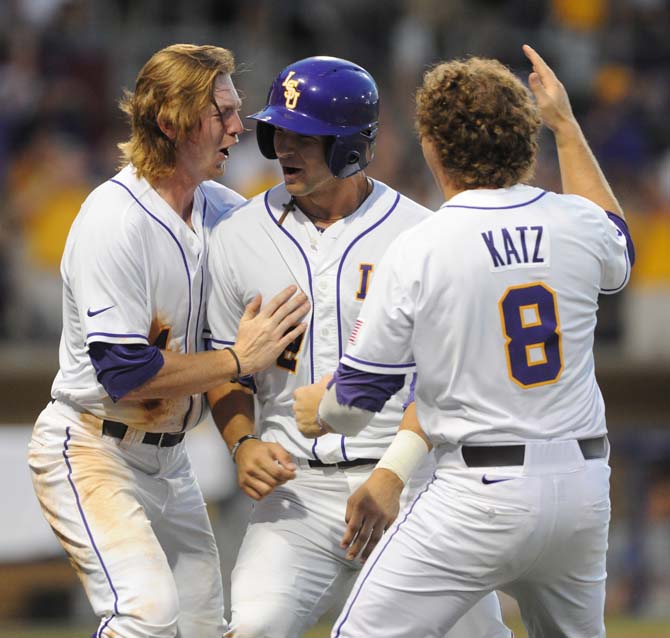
{"type": "Point", "coordinates": [404, 454]}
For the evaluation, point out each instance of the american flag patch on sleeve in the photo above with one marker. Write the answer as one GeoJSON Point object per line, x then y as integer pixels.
{"type": "Point", "coordinates": [354, 332]}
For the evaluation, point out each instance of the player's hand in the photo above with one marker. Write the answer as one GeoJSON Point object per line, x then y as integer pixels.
{"type": "Point", "coordinates": [550, 94]}
{"type": "Point", "coordinates": [262, 466]}
{"type": "Point", "coordinates": [263, 334]}
{"type": "Point", "coordinates": [370, 511]}
{"type": "Point", "coordinates": [306, 405]}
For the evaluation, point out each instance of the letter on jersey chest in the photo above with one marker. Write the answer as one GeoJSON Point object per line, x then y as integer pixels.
{"type": "Point", "coordinates": [516, 247]}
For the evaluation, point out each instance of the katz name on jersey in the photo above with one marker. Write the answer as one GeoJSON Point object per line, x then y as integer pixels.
{"type": "Point", "coordinates": [522, 246]}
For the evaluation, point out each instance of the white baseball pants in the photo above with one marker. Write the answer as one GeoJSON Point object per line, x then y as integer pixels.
{"type": "Point", "coordinates": [132, 520]}
{"type": "Point", "coordinates": [537, 531]}
{"type": "Point", "coordinates": [291, 569]}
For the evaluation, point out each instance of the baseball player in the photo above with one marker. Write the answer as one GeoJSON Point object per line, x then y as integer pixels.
{"type": "Point", "coordinates": [493, 302]}
{"type": "Point", "coordinates": [108, 461]}
{"type": "Point", "coordinates": [324, 229]}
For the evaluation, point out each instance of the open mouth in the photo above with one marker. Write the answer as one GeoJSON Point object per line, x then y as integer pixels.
{"type": "Point", "coordinates": [225, 151]}
{"type": "Point", "coordinates": [290, 170]}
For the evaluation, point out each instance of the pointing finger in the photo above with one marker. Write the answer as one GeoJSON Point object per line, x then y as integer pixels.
{"type": "Point", "coordinates": [539, 65]}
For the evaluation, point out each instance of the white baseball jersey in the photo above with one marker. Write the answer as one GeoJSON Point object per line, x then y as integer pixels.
{"type": "Point", "coordinates": [494, 300]}
{"type": "Point", "coordinates": [130, 514]}
{"type": "Point", "coordinates": [252, 253]}
{"type": "Point", "coordinates": [134, 273]}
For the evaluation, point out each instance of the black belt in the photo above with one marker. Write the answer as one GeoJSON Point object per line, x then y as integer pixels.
{"type": "Point", "coordinates": [161, 439]}
{"type": "Point", "coordinates": [502, 455]}
{"type": "Point", "coordinates": [343, 464]}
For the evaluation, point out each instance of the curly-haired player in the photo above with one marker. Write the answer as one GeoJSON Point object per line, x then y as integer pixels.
{"type": "Point", "coordinates": [493, 302]}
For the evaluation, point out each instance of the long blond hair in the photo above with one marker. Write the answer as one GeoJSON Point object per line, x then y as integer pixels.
{"type": "Point", "coordinates": [174, 86]}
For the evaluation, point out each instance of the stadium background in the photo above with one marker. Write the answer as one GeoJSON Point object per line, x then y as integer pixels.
{"type": "Point", "coordinates": [63, 65]}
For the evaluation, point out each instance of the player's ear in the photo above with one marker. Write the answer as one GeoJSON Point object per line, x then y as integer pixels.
{"type": "Point", "coordinates": [167, 128]}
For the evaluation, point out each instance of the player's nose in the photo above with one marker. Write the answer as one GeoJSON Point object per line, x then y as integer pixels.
{"type": "Point", "coordinates": [235, 127]}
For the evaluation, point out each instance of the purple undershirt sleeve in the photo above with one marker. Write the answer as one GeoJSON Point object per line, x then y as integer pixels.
{"type": "Point", "coordinates": [621, 224]}
{"type": "Point", "coordinates": [363, 389]}
{"type": "Point", "coordinates": [122, 368]}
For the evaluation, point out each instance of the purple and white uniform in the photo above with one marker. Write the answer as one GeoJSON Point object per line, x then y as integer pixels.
{"type": "Point", "coordinates": [492, 301]}
{"type": "Point", "coordinates": [106, 470]}
{"type": "Point", "coordinates": [291, 567]}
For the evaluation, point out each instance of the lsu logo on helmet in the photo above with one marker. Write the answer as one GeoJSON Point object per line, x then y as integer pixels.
{"type": "Point", "coordinates": [291, 94]}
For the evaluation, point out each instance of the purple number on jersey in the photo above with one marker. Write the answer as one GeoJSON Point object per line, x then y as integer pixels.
{"type": "Point", "coordinates": [530, 323]}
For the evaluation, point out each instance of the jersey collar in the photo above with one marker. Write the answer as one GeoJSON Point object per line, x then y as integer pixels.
{"type": "Point", "coordinates": [515, 196]}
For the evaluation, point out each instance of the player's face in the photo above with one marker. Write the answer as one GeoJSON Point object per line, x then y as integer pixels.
{"type": "Point", "coordinates": [303, 162]}
{"type": "Point", "coordinates": [205, 152]}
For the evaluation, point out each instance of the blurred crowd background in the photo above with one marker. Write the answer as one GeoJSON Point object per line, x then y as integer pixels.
{"type": "Point", "coordinates": [64, 63]}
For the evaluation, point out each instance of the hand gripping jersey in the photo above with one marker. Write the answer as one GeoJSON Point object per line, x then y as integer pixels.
{"type": "Point", "coordinates": [135, 273]}
{"type": "Point", "coordinates": [251, 253]}
{"type": "Point", "coordinates": [493, 300]}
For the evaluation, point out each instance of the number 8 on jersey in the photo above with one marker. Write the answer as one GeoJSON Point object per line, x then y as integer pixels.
{"type": "Point", "coordinates": [530, 323]}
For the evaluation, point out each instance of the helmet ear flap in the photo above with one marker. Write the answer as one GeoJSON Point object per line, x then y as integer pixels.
{"type": "Point", "coordinates": [346, 156]}
{"type": "Point", "coordinates": [265, 136]}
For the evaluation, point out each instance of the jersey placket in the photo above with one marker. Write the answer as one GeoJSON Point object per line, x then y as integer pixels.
{"type": "Point", "coordinates": [324, 312]}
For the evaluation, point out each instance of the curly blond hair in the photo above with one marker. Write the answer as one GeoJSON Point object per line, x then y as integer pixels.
{"type": "Point", "coordinates": [482, 122]}
{"type": "Point", "coordinates": [174, 86]}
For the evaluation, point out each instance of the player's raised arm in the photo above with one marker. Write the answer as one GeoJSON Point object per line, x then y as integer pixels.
{"type": "Point", "coordinates": [580, 171]}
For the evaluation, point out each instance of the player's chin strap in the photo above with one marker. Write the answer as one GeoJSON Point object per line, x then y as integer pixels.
{"type": "Point", "coordinates": [343, 419]}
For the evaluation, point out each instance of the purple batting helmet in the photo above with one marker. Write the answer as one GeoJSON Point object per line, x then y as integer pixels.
{"type": "Point", "coordinates": [328, 97]}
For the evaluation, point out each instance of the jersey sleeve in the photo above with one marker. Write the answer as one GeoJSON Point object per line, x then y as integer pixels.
{"type": "Point", "coordinates": [619, 255]}
{"type": "Point", "coordinates": [107, 275]}
{"type": "Point", "coordinates": [224, 305]}
{"type": "Point", "coordinates": [381, 340]}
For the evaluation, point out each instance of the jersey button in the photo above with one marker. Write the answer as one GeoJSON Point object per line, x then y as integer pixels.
{"type": "Point", "coordinates": [325, 332]}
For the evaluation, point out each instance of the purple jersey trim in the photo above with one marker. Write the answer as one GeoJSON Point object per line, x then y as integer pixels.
{"type": "Point", "coordinates": [197, 322]}
{"type": "Point", "coordinates": [623, 282]}
{"type": "Point", "coordinates": [380, 365]}
{"type": "Point", "coordinates": [343, 448]}
{"type": "Point", "coordinates": [621, 224]}
{"type": "Point", "coordinates": [115, 334]}
{"type": "Point", "coordinates": [121, 368]}
{"type": "Point", "coordinates": [181, 250]}
{"type": "Point", "coordinates": [386, 544]}
{"type": "Point", "coordinates": [412, 390]}
{"type": "Point", "coordinates": [316, 456]}
{"type": "Point", "coordinates": [188, 413]}
{"type": "Point", "coordinates": [530, 201]}
{"type": "Point", "coordinates": [222, 341]}
{"type": "Point", "coordinates": [339, 269]}
{"type": "Point", "coordinates": [202, 270]}
{"type": "Point", "coordinates": [365, 390]}
{"type": "Point", "coordinates": [88, 529]}
{"type": "Point", "coordinates": [309, 277]}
